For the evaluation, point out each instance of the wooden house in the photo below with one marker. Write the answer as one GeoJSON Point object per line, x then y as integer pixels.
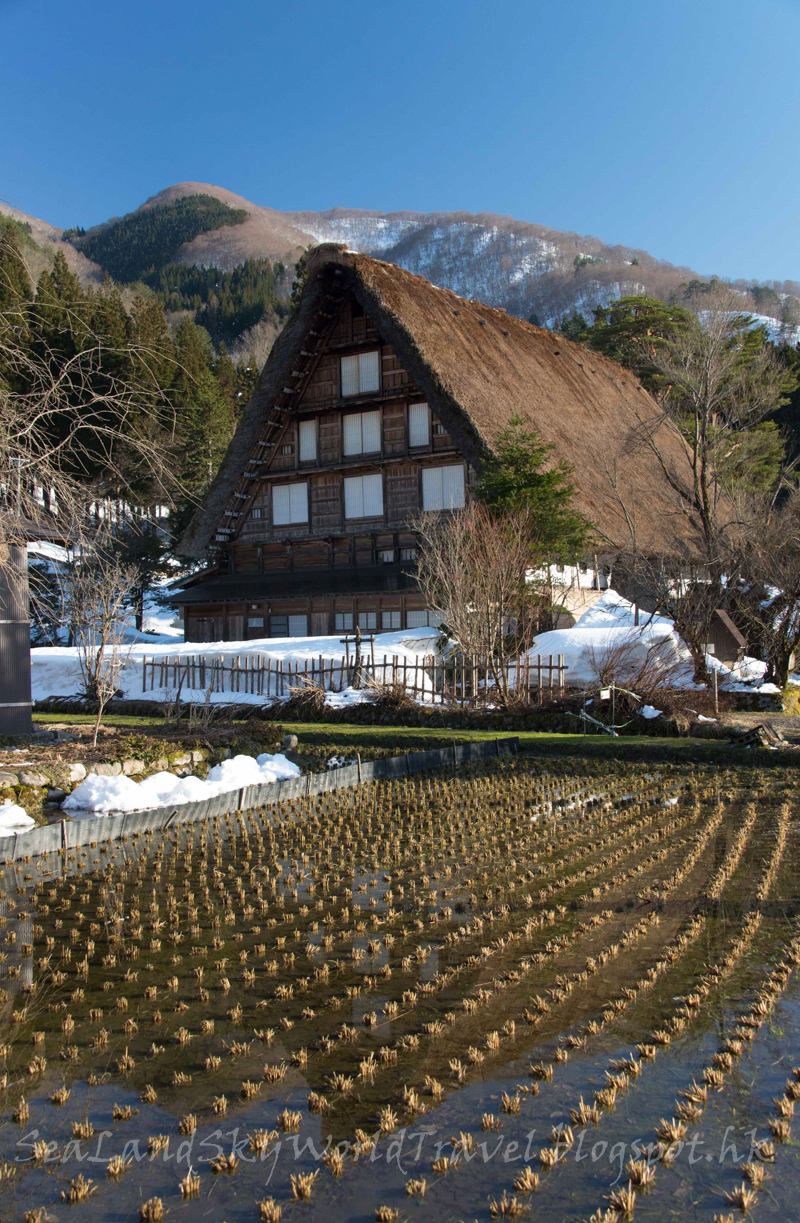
{"type": "Point", "coordinates": [379, 400]}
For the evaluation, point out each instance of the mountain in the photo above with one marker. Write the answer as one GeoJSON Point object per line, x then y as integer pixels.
{"type": "Point", "coordinates": [532, 271]}
{"type": "Point", "coordinates": [43, 240]}
{"type": "Point", "coordinates": [528, 269]}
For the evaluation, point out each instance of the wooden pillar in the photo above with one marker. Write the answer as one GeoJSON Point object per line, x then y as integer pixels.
{"type": "Point", "coordinates": [15, 645]}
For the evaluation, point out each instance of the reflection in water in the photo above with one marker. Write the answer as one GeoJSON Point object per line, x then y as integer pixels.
{"type": "Point", "coordinates": [380, 969]}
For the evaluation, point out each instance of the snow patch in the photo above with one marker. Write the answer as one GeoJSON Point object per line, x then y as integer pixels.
{"type": "Point", "coordinates": [14, 819]}
{"type": "Point", "coordinates": [99, 795]}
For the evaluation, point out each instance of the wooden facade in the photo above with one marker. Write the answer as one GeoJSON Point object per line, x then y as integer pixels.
{"type": "Point", "coordinates": [320, 540]}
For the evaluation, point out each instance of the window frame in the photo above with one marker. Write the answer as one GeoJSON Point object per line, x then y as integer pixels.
{"type": "Point", "coordinates": [291, 521]}
{"type": "Point", "coordinates": [348, 418]}
{"type": "Point", "coordinates": [442, 467]}
{"type": "Point", "coordinates": [351, 480]}
{"type": "Point", "coordinates": [311, 428]}
{"type": "Point", "coordinates": [362, 389]}
{"type": "Point", "coordinates": [412, 445]}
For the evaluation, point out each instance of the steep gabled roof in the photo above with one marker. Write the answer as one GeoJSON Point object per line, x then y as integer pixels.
{"type": "Point", "coordinates": [479, 367]}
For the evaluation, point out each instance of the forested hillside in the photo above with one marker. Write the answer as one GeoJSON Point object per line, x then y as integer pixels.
{"type": "Point", "coordinates": [138, 245]}
{"type": "Point", "coordinates": [226, 303]}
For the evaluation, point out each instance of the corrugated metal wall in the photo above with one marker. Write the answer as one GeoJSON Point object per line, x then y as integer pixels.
{"type": "Point", "coordinates": [15, 645]}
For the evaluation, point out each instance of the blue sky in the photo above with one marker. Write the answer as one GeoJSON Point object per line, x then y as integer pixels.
{"type": "Point", "coordinates": [668, 126]}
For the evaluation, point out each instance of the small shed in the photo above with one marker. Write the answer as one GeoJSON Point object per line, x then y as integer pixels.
{"type": "Point", "coordinates": [729, 645]}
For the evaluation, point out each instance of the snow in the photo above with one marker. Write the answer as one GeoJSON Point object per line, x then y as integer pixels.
{"type": "Point", "coordinates": [608, 628]}
{"type": "Point", "coordinates": [14, 819]}
{"type": "Point", "coordinates": [103, 794]}
{"type": "Point", "coordinates": [588, 651]}
{"type": "Point", "coordinates": [613, 611]}
{"type": "Point", "coordinates": [55, 670]}
{"type": "Point", "coordinates": [647, 711]}
{"type": "Point", "coordinates": [43, 550]}
{"type": "Point", "coordinates": [605, 629]}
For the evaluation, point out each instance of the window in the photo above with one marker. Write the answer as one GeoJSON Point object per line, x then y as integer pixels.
{"type": "Point", "coordinates": [386, 557]}
{"type": "Point", "coordinates": [423, 619]}
{"type": "Point", "coordinates": [343, 622]}
{"type": "Point", "coordinates": [363, 496]}
{"type": "Point", "coordinates": [362, 433]}
{"type": "Point", "coordinates": [367, 620]}
{"type": "Point", "coordinates": [287, 448]}
{"type": "Point", "coordinates": [288, 626]}
{"type": "Point", "coordinates": [289, 503]}
{"type": "Point", "coordinates": [419, 425]}
{"type": "Point", "coordinates": [361, 374]}
{"type": "Point", "coordinates": [390, 619]}
{"type": "Point", "coordinates": [443, 488]}
{"type": "Point", "coordinates": [439, 429]}
{"type": "Point", "coordinates": [255, 621]}
{"type": "Point", "coordinates": [255, 513]}
{"type": "Point", "coordinates": [308, 441]}
{"type": "Point", "coordinates": [408, 554]}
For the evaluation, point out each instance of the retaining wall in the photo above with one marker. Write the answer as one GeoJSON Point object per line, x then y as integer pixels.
{"type": "Point", "coordinates": [72, 834]}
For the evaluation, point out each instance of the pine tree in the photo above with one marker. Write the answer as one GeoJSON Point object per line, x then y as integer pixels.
{"type": "Point", "coordinates": [205, 418]}
{"type": "Point", "coordinates": [520, 476]}
{"type": "Point", "coordinates": [15, 285]}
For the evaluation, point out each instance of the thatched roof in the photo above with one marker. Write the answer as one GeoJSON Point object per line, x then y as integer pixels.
{"type": "Point", "coordinates": [479, 367]}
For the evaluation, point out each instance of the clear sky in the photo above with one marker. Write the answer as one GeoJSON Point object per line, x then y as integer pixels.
{"type": "Point", "coordinates": [670, 125]}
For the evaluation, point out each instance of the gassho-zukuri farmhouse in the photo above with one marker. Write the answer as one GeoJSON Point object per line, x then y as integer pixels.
{"type": "Point", "coordinates": [379, 400]}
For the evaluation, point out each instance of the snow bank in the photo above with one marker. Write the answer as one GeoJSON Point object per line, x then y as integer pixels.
{"type": "Point", "coordinates": [14, 819]}
{"type": "Point", "coordinates": [587, 650]}
{"type": "Point", "coordinates": [613, 611]}
{"type": "Point", "coordinates": [608, 626]}
{"type": "Point", "coordinates": [55, 670]}
{"type": "Point", "coordinates": [104, 794]}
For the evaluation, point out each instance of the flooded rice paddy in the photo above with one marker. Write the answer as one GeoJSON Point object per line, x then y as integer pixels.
{"type": "Point", "coordinates": [565, 990]}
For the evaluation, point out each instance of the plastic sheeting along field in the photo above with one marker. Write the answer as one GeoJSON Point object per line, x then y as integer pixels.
{"type": "Point", "coordinates": [569, 989]}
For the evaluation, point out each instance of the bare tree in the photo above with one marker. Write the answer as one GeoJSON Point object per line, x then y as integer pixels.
{"type": "Point", "coordinates": [767, 594]}
{"type": "Point", "coordinates": [97, 590]}
{"type": "Point", "coordinates": [717, 380]}
{"type": "Point", "coordinates": [477, 570]}
{"type": "Point", "coordinates": [65, 413]}
{"type": "Point", "coordinates": [649, 668]}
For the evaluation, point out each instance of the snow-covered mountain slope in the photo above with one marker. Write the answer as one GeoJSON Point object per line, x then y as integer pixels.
{"type": "Point", "coordinates": [528, 269]}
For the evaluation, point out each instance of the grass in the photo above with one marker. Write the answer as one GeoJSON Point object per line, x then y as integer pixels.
{"type": "Point", "coordinates": [408, 738]}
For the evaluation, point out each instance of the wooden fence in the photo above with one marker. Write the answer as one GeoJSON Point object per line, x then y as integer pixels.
{"type": "Point", "coordinates": [459, 681]}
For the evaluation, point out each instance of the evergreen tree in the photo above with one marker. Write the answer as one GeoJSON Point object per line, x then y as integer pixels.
{"type": "Point", "coordinates": [205, 416]}
{"type": "Point", "coordinates": [521, 476]}
{"type": "Point", "coordinates": [15, 285]}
